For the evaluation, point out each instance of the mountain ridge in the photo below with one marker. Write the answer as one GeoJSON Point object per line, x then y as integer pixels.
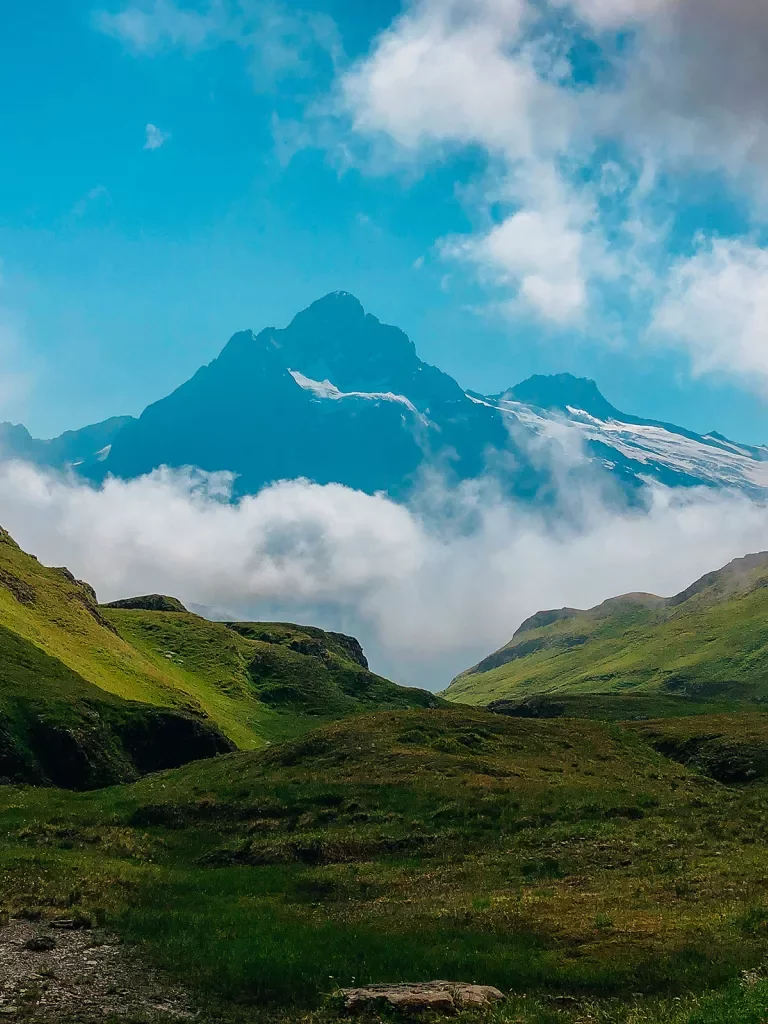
{"type": "Point", "coordinates": [707, 640]}
{"type": "Point", "coordinates": [337, 396]}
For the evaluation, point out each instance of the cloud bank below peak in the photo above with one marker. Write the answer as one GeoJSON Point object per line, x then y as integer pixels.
{"type": "Point", "coordinates": [427, 592]}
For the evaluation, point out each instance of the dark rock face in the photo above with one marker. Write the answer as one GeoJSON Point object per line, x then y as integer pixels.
{"type": "Point", "coordinates": [352, 648]}
{"type": "Point", "coordinates": [545, 618]}
{"type": "Point", "coordinates": [23, 592]}
{"type": "Point", "coordinates": [85, 594]}
{"type": "Point", "coordinates": [98, 752]}
{"type": "Point", "coordinates": [531, 707]}
{"type": "Point", "coordinates": [167, 739]}
{"type": "Point", "coordinates": [58, 729]}
{"type": "Point", "coordinates": [729, 762]}
{"type": "Point", "coordinates": [148, 603]}
{"type": "Point", "coordinates": [522, 649]}
{"type": "Point", "coordinates": [561, 391]}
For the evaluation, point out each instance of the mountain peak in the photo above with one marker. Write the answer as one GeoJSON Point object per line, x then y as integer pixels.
{"type": "Point", "coordinates": [562, 391]}
{"type": "Point", "coordinates": [336, 308]}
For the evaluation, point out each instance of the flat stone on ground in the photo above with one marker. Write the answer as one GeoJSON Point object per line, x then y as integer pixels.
{"type": "Point", "coordinates": [444, 997]}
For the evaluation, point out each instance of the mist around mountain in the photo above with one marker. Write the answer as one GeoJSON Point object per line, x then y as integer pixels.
{"type": "Point", "coordinates": [339, 397]}
{"type": "Point", "coordinates": [269, 823]}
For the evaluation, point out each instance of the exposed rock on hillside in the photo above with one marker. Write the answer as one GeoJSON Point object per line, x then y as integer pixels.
{"type": "Point", "coordinates": [149, 603]}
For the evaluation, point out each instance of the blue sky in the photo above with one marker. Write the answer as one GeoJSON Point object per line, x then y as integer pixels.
{"type": "Point", "coordinates": [551, 214]}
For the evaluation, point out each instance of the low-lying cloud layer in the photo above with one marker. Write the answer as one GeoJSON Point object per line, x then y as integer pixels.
{"type": "Point", "coordinates": [426, 596]}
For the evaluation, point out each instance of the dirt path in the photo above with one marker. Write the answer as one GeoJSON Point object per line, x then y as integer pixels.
{"type": "Point", "coordinates": [51, 974]}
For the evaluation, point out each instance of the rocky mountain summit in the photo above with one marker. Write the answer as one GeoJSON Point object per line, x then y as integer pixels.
{"type": "Point", "coordinates": [339, 397]}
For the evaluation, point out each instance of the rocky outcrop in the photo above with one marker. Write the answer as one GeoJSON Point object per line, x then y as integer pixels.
{"type": "Point", "coordinates": [529, 707]}
{"type": "Point", "coordinates": [148, 603]}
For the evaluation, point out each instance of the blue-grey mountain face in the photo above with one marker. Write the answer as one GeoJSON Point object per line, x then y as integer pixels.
{"type": "Point", "coordinates": [338, 397]}
{"type": "Point", "coordinates": [335, 397]}
{"type": "Point", "coordinates": [75, 448]}
{"type": "Point", "coordinates": [634, 451]}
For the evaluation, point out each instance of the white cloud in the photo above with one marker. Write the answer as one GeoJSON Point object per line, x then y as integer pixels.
{"type": "Point", "coordinates": [696, 88]}
{"type": "Point", "coordinates": [608, 14]}
{"type": "Point", "coordinates": [279, 41]}
{"type": "Point", "coordinates": [716, 308]}
{"type": "Point", "coordinates": [444, 74]}
{"type": "Point", "coordinates": [433, 595]}
{"type": "Point", "coordinates": [161, 24]}
{"type": "Point", "coordinates": [538, 253]}
{"type": "Point", "coordinates": [685, 92]}
{"type": "Point", "coordinates": [461, 74]}
{"type": "Point", "coordinates": [155, 138]}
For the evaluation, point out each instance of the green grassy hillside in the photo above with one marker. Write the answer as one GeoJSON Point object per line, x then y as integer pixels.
{"type": "Point", "coordinates": [569, 862]}
{"type": "Point", "coordinates": [709, 643]}
{"type": "Point", "coordinates": [57, 728]}
{"type": "Point", "coordinates": [256, 683]}
{"type": "Point", "coordinates": [260, 681]}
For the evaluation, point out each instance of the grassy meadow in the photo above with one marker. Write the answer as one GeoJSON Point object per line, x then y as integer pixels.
{"type": "Point", "coordinates": [568, 862]}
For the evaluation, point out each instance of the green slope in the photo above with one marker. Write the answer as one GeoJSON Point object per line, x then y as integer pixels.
{"type": "Point", "coordinates": [255, 682]}
{"type": "Point", "coordinates": [56, 728]}
{"type": "Point", "coordinates": [261, 681]}
{"type": "Point", "coordinates": [709, 643]}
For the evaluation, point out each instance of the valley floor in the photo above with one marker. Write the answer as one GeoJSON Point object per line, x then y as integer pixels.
{"type": "Point", "coordinates": [566, 862]}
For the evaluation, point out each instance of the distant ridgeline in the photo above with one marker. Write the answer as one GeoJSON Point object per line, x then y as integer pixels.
{"type": "Point", "coordinates": [706, 645]}
{"type": "Point", "coordinates": [93, 695]}
{"type": "Point", "coordinates": [337, 396]}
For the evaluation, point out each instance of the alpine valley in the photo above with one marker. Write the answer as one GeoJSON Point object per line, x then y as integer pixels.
{"type": "Point", "coordinates": [240, 823]}
{"type": "Point", "coordinates": [339, 397]}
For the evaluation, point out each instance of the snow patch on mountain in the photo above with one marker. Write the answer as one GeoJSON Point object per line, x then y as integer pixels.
{"type": "Point", "coordinates": [649, 447]}
{"type": "Point", "coordinates": [325, 389]}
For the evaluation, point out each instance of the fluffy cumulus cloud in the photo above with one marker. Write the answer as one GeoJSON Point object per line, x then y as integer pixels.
{"type": "Point", "coordinates": [716, 307]}
{"type": "Point", "coordinates": [433, 596]}
{"type": "Point", "coordinates": [544, 251]}
{"type": "Point", "coordinates": [664, 90]}
{"type": "Point", "coordinates": [442, 74]}
{"type": "Point", "coordinates": [696, 88]}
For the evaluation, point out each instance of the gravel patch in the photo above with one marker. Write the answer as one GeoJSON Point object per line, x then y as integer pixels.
{"type": "Point", "coordinates": [73, 973]}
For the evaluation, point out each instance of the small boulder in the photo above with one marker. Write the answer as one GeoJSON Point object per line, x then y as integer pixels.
{"type": "Point", "coordinates": [40, 944]}
{"type": "Point", "coordinates": [71, 923]}
{"type": "Point", "coordinates": [443, 997]}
